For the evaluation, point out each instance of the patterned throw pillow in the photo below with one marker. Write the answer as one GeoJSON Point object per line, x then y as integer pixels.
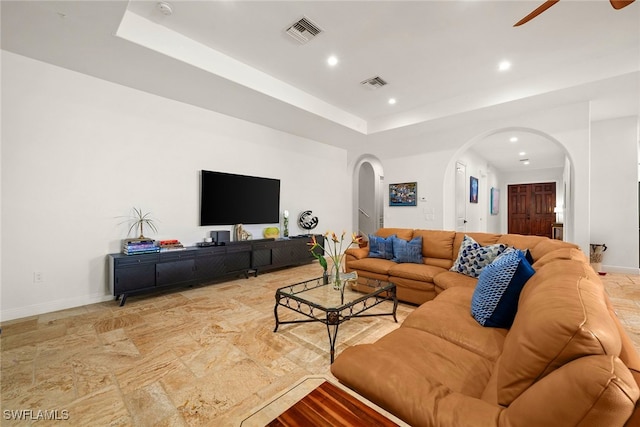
{"type": "Point", "coordinates": [495, 299]}
{"type": "Point", "coordinates": [472, 257]}
{"type": "Point", "coordinates": [404, 251]}
{"type": "Point", "coordinates": [379, 247]}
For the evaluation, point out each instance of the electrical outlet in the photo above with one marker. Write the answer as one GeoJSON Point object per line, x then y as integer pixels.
{"type": "Point", "coordinates": [37, 277]}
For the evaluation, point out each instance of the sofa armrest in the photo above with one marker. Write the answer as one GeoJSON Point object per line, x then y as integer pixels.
{"type": "Point", "coordinates": [592, 390]}
{"type": "Point", "coordinates": [358, 253]}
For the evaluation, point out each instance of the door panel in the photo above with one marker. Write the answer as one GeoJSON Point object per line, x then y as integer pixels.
{"type": "Point", "coordinates": [518, 210]}
{"type": "Point", "coordinates": [461, 197]}
{"type": "Point", "coordinates": [530, 208]}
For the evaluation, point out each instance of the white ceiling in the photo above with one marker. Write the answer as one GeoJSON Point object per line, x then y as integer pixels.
{"type": "Point", "coordinates": [440, 58]}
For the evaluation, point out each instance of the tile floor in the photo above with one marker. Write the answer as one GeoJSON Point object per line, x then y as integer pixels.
{"type": "Point", "coordinates": [202, 356]}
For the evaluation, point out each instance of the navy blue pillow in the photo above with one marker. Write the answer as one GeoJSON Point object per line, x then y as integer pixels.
{"type": "Point", "coordinates": [528, 256]}
{"type": "Point", "coordinates": [379, 247]}
{"type": "Point", "coordinates": [404, 251]}
{"type": "Point", "coordinates": [495, 299]}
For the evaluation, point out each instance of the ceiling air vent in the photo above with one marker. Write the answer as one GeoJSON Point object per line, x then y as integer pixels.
{"type": "Point", "coordinates": [303, 30]}
{"type": "Point", "coordinates": [374, 82]}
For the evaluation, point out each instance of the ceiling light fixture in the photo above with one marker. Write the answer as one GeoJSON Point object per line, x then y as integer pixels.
{"type": "Point", "coordinates": [165, 8]}
{"type": "Point", "coordinates": [504, 65]}
{"type": "Point", "coordinates": [522, 153]}
{"type": "Point", "coordinates": [392, 101]}
{"type": "Point", "coordinates": [332, 60]}
{"type": "Point", "coordinates": [513, 139]}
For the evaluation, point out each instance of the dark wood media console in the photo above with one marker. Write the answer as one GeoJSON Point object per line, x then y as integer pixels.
{"type": "Point", "coordinates": [132, 274]}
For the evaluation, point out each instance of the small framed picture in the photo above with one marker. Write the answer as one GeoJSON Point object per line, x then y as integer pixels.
{"type": "Point", "coordinates": [495, 201]}
{"type": "Point", "coordinates": [405, 194]}
{"type": "Point", "coordinates": [473, 193]}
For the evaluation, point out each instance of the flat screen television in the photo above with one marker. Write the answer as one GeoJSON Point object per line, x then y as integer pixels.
{"type": "Point", "coordinates": [227, 199]}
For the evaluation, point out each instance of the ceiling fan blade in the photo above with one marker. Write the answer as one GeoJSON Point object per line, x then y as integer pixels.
{"type": "Point", "coordinates": [619, 4]}
{"type": "Point", "coordinates": [544, 6]}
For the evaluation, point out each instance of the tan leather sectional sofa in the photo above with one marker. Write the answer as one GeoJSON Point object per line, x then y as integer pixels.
{"type": "Point", "coordinates": [565, 361]}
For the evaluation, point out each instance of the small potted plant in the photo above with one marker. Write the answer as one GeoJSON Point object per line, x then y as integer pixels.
{"type": "Point", "coordinates": [138, 220]}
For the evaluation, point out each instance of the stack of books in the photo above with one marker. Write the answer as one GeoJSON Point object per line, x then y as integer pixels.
{"type": "Point", "coordinates": [139, 246]}
{"type": "Point", "coordinates": [170, 245]}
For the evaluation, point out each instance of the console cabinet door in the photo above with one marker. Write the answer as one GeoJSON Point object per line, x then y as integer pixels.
{"type": "Point", "coordinates": [174, 272]}
{"type": "Point", "coordinates": [133, 273]}
{"type": "Point", "coordinates": [300, 251]}
{"type": "Point", "coordinates": [261, 255]}
{"type": "Point", "coordinates": [282, 254]}
{"type": "Point", "coordinates": [210, 263]}
{"type": "Point", "coordinates": [238, 258]}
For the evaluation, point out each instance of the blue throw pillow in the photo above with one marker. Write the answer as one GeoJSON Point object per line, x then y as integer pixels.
{"type": "Point", "coordinates": [472, 257]}
{"type": "Point", "coordinates": [495, 299]}
{"type": "Point", "coordinates": [528, 256]}
{"type": "Point", "coordinates": [379, 247]}
{"type": "Point", "coordinates": [404, 251]}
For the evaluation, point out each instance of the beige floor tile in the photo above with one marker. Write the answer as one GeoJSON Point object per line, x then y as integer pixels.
{"type": "Point", "coordinates": [201, 356]}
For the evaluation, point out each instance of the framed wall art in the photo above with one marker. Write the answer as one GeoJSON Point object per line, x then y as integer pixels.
{"type": "Point", "coordinates": [473, 192]}
{"type": "Point", "coordinates": [405, 194]}
{"type": "Point", "coordinates": [495, 201]}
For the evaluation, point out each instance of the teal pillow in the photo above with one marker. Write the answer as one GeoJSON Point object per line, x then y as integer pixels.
{"type": "Point", "coordinates": [472, 257]}
{"type": "Point", "coordinates": [404, 251]}
{"type": "Point", "coordinates": [379, 247]}
{"type": "Point", "coordinates": [495, 299]}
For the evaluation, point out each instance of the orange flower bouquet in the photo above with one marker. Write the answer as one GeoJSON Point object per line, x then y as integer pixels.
{"type": "Point", "coordinates": [335, 248]}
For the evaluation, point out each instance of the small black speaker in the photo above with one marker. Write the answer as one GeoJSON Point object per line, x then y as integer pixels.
{"type": "Point", "coordinates": [223, 237]}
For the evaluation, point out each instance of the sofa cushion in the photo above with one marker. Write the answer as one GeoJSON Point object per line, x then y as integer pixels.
{"type": "Point", "coordinates": [407, 251]}
{"type": "Point", "coordinates": [421, 272]}
{"type": "Point", "coordinates": [450, 279]}
{"type": "Point", "coordinates": [495, 299]}
{"type": "Point", "coordinates": [425, 358]}
{"type": "Point", "coordinates": [562, 315]}
{"type": "Point", "coordinates": [589, 391]}
{"type": "Point", "coordinates": [559, 255]}
{"type": "Point", "coordinates": [473, 257]}
{"type": "Point", "coordinates": [374, 265]}
{"type": "Point", "coordinates": [484, 239]}
{"type": "Point", "coordinates": [548, 245]}
{"type": "Point", "coordinates": [521, 242]}
{"type": "Point", "coordinates": [401, 233]}
{"type": "Point", "coordinates": [380, 247]}
{"type": "Point", "coordinates": [437, 244]}
{"type": "Point", "coordinates": [448, 317]}
{"type": "Point", "coordinates": [357, 253]}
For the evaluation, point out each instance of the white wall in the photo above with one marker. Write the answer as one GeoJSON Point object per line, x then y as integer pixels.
{"type": "Point", "coordinates": [614, 192]}
{"type": "Point", "coordinates": [567, 125]}
{"type": "Point", "coordinates": [427, 170]}
{"type": "Point", "coordinates": [78, 152]}
{"type": "Point", "coordinates": [477, 213]}
{"type": "Point", "coordinates": [494, 222]}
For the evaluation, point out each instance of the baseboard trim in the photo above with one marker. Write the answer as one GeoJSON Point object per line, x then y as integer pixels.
{"type": "Point", "coordinates": [51, 306]}
{"type": "Point", "coordinates": [621, 270]}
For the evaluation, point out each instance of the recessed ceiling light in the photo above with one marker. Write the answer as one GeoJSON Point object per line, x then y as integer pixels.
{"type": "Point", "coordinates": [332, 60]}
{"type": "Point", "coordinates": [165, 8]}
{"type": "Point", "coordinates": [392, 101]}
{"type": "Point", "coordinates": [504, 65]}
{"type": "Point", "coordinates": [513, 139]}
{"type": "Point", "coordinates": [522, 153]}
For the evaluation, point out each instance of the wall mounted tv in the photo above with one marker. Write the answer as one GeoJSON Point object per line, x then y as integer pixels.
{"type": "Point", "coordinates": [227, 199]}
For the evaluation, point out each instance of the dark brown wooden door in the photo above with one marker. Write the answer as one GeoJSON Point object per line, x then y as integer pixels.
{"type": "Point", "coordinates": [530, 208]}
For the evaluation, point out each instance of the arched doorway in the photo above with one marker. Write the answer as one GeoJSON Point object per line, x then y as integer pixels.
{"type": "Point", "coordinates": [482, 157]}
{"type": "Point", "coordinates": [368, 182]}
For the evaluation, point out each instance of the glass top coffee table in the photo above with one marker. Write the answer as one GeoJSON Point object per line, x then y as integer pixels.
{"type": "Point", "coordinates": [321, 302]}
